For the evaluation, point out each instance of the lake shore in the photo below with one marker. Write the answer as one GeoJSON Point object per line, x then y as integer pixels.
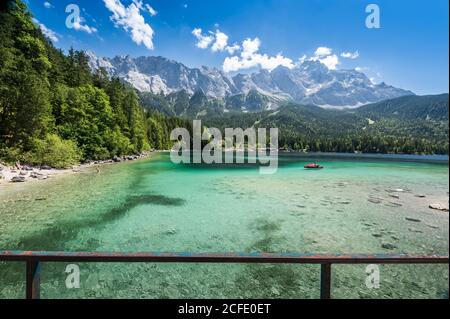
{"type": "Point", "coordinates": [10, 175]}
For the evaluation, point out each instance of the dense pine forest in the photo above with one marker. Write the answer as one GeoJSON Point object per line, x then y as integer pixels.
{"type": "Point", "coordinates": [405, 125]}
{"type": "Point", "coordinates": [54, 111]}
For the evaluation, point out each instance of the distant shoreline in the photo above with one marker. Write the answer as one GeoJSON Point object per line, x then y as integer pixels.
{"type": "Point", "coordinates": [404, 157]}
{"type": "Point", "coordinates": [442, 159]}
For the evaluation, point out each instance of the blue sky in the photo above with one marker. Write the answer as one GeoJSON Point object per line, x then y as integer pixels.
{"type": "Point", "coordinates": [410, 50]}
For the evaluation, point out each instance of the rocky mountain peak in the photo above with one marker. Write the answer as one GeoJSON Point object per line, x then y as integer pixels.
{"type": "Point", "coordinates": [310, 82]}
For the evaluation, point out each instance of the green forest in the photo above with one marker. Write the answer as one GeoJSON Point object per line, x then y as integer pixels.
{"type": "Point", "coordinates": [405, 125]}
{"type": "Point", "coordinates": [54, 111]}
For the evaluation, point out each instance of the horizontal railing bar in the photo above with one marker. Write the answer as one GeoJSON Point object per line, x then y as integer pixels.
{"type": "Point", "coordinates": [104, 257]}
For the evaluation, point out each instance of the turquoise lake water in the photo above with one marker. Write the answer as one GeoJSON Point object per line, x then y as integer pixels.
{"type": "Point", "coordinates": [154, 205]}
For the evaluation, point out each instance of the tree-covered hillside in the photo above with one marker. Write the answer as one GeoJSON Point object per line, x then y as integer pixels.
{"type": "Point", "coordinates": [429, 107]}
{"type": "Point", "coordinates": [54, 111]}
{"type": "Point", "coordinates": [421, 130]}
{"type": "Point", "coordinates": [411, 124]}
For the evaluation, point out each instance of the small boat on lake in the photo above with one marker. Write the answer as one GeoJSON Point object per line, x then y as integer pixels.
{"type": "Point", "coordinates": [313, 166]}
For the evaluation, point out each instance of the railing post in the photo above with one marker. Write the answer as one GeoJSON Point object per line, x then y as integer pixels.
{"type": "Point", "coordinates": [33, 279]}
{"type": "Point", "coordinates": [325, 281]}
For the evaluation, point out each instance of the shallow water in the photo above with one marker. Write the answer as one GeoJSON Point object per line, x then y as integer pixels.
{"type": "Point", "coordinates": [154, 205]}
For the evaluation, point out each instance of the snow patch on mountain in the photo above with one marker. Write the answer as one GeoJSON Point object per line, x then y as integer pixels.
{"type": "Point", "coordinates": [310, 82]}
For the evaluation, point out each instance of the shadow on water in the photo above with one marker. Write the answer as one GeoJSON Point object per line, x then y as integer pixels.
{"type": "Point", "coordinates": [55, 237]}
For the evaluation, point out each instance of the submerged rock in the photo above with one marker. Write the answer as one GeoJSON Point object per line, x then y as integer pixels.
{"type": "Point", "coordinates": [440, 207]}
{"type": "Point", "coordinates": [18, 179]}
{"type": "Point", "coordinates": [35, 175]}
{"type": "Point", "coordinates": [342, 184]}
{"type": "Point", "coordinates": [413, 219]}
{"type": "Point", "coordinates": [170, 231]}
{"type": "Point", "coordinates": [388, 246]}
{"type": "Point", "coordinates": [392, 204]}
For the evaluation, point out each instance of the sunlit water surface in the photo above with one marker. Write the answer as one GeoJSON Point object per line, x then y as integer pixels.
{"type": "Point", "coordinates": [154, 205]}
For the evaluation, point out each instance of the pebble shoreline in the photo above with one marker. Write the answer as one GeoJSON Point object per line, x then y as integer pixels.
{"type": "Point", "coordinates": [26, 173]}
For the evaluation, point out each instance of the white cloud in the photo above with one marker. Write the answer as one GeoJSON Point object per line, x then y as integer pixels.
{"type": "Point", "coordinates": [350, 55]}
{"type": "Point", "coordinates": [150, 9]}
{"type": "Point", "coordinates": [323, 52]}
{"type": "Point", "coordinates": [52, 35]}
{"type": "Point", "coordinates": [232, 49]}
{"type": "Point", "coordinates": [48, 5]}
{"type": "Point", "coordinates": [331, 61]}
{"type": "Point", "coordinates": [250, 58]}
{"type": "Point", "coordinates": [204, 41]}
{"type": "Point", "coordinates": [250, 47]}
{"type": "Point", "coordinates": [131, 20]}
{"type": "Point", "coordinates": [221, 42]}
{"type": "Point", "coordinates": [77, 25]}
{"type": "Point", "coordinates": [218, 41]}
{"type": "Point", "coordinates": [325, 56]}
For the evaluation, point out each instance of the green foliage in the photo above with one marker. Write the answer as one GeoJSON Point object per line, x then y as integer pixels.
{"type": "Point", "coordinates": [55, 152]}
{"type": "Point", "coordinates": [24, 86]}
{"type": "Point", "coordinates": [315, 129]}
{"type": "Point", "coordinates": [407, 108]}
{"type": "Point", "coordinates": [411, 124]}
{"type": "Point", "coordinates": [86, 117]}
{"type": "Point", "coordinates": [54, 111]}
{"type": "Point", "coordinates": [160, 127]}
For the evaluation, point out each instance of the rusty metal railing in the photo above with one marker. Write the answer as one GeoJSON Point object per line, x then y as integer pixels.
{"type": "Point", "coordinates": [34, 259]}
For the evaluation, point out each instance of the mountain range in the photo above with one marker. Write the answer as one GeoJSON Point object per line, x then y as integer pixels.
{"type": "Point", "coordinates": [310, 82]}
